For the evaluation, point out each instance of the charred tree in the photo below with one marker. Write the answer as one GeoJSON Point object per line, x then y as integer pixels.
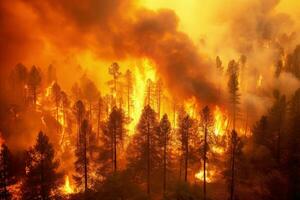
{"type": "Point", "coordinates": [5, 172]}
{"type": "Point", "coordinates": [34, 81]}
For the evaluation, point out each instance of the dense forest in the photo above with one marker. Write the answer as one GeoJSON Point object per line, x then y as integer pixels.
{"type": "Point", "coordinates": [149, 100]}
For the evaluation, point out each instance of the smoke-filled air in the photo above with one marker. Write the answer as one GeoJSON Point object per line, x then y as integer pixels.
{"type": "Point", "coordinates": [149, 100]}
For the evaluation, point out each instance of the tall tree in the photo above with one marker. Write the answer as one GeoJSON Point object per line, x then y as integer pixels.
{"type": "Point", "coordinates": [82, 161]}
{"type": "Point", "coordinates": [114, 131]}
{"type": "Point", "coordinates": [233, 86]}
{"type": "Point", "coordinates": [5, 172]}
{"type": "Point", "coordinates": [114, 71]}
{"type": "Point", "coordinates": [185, 129]}
{"type": "Point", "coordinates": [41, 179]}
{"type": "Point", "coordinates": [165, 130]}
{"type": "Point", "coordinates": [293, 160]}
{"type": "Point", "coordinates": [34, 81]}
{"type": "Point", "coordinates": [144, 150]}
{"type": "Point", "coordinates": [79, 112]}
{"type": "Point", "coordinates": [207, 124]}
{"type": "Point", "coordinates": [56, 96]}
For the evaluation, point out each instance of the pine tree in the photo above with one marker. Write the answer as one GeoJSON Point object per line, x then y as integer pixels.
{"type": "Point", "coordinates": [185, 129]}
{"type": "Point", "coordinates": [5, 172]}
{"type": "Point", "coordinates": [34, 81]}
{"type": "Point", "coordinates": [164, 131]}
{"type": "Point", "coordinates": [41, 179]}
{"type": "Point", "coordinates": [233, 86]}
{"type": "Point", "coordinates": [82, 161]}
{"type": "Point", "coordinates": [56, 96]}
{"type": "Point", "coordinates": [207, 123]}
{"type": "Point", "coordinates": [144, 157]}
{"type": "Point", "coordinates": [79, 112]}
{"type": "Point", "coordinates": [113, 134]}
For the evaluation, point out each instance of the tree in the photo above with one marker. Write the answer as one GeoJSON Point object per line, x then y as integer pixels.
{"type": "Point", "coordinates": [56, 96]}
{"type": "Point", "coordinates": [113, 134]}
{"type": "Point", "coordinates": [34, 81]}
{"type": "Point", "coordinates": [207, 124]}
{"type": "Point", "coordinates": [5, 172]}
{"type": "Point", "coordinates": [79, 112]}
{"type": "Point", "coordinates": [277, 119]}
{"type": "Point", "coordinates": [233, 86]}
{"type": "Point", "coordinates": [185, 129]}
{"type": "Point", "coordinates": [143, 153]}
{"type": "Point", "coordinates": [115, 73]}
{"type": "Point", "coordinates": [41, 179]}
{"type": "Point", "coordinates": [82, 161]}
{"type": "Point", "coordinates": [164, 130]}
{"type": "Point", "coordinates": [293, 159]}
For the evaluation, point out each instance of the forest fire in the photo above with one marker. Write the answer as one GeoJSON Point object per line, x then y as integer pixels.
{"type": "Point", "coordinates": [127, 100]}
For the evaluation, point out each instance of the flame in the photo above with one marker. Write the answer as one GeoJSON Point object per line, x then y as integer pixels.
{"type": "Point", "coordinates": [67, 188]}
{"type": "Point", "coordinates": [210, 175]}
{"type": "Point", "coordinates": [259, 81]}
{"type": "Point", "coordinates": [220, 122]}
{"type": "Point", "coordinates": [142, 74]}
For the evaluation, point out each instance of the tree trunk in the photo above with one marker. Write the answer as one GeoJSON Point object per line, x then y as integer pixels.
{"type": "Point", "coordinates": [115, 148]}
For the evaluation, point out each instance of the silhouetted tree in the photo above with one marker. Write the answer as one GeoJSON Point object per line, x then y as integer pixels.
{"type": "Point", "coordinates": [56, 96]}
{"type": "Point", "coordinates": [34, 81]}
{"type": "Point", "coordinates": [206, 123]}
{"type": "Point", "coordinates": [18, 81]}
{"type": "Point", "coordinates": [114, 71]}
{"type": "Point", "coordinates": [113, 134]}
{"type": "Point", "coordinates": [185, 129]}
{"type": "Point", "coordinates": [41, 179]}
{"type": "Point", "coordinates": [82, 161]}
{"type": "Point", "coordinates": [144, 155]}
{"type": "Point", "coordinates": [129, 87]}
{"type": "Point", "coordinates": [233, 86]}
{"type": "Point", "coordinates": [79, 112]}
{"type": "Point", "coordinates": [51, 74]}
{"type": "Point", "coordinates": [164, 131]}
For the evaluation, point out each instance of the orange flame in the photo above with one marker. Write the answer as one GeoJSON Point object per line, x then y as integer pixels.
{"type": "Point", "coordinates": [67, 188]}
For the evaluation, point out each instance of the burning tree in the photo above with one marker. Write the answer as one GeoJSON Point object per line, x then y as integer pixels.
{"type": "Point", "coordinates": [41, 180]}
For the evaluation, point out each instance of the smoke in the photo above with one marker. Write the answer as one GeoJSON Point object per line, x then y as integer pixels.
{"type": "Point", "coordinates": [111, 30]}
